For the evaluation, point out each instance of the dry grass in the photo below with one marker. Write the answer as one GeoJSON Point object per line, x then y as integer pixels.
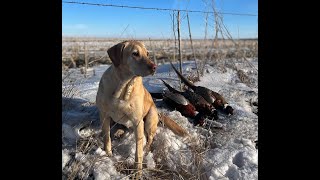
{"type": "Point", "coordinates": [73, 50]}
{"type": "Point", "coordinates": [77, 168]}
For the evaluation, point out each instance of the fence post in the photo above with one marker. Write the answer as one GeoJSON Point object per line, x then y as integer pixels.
{"type": "Point", "coordinates": [85, 60]}
{"type": "Point", "coordinates": [179, 45]}
{"type": "Point", "coordinates": [175, 39]}
{"type": "Point", "coordinates": [205, 53]}
{"type": "Point", "coordinates": [194, 55]}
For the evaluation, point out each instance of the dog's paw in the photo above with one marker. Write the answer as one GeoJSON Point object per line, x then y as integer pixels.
{"type": "Point", "coordinates": [109, 153]}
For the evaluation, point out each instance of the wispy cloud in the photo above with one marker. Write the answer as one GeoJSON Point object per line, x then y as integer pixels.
{"type": "Point", "coordinates": [75, 26]}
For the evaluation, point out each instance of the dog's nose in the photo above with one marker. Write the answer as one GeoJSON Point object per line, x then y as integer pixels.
{"type": "Point", "coordinates": [153, 67]}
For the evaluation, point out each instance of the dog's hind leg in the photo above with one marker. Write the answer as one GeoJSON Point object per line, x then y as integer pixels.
{"type": "Point", "coordinates": [151, 124]}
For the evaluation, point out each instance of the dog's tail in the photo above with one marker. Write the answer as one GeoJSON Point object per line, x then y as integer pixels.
{"type": "Point", "coordinates": [173, 126]}
{"type": "Point", "coordinates": [184, 80]}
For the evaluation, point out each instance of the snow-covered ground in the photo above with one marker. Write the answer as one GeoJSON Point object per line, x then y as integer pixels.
{"type": "Point", "coordinates": [228, 152]}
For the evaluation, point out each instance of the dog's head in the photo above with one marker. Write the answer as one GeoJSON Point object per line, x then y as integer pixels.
{"type": "Point", "coordinates": [132, 56]}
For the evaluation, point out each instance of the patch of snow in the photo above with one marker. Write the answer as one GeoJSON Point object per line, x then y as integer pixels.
{"type": "Point", "coordinates": [237, 160]}
{"type": "Point", "coordinates": [104, 168]}
{"type": "Point", "coordinates": [150, 161]}
{"type": "Point", "coordinates": [65, 157]}
{"type": "Point", "coordinates": [231, 153]}
{"type": "Point", "coordinates": [69, 132]}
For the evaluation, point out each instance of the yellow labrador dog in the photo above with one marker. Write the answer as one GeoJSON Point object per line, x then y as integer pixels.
{"type": "Point", "coordinates": [122, 98]}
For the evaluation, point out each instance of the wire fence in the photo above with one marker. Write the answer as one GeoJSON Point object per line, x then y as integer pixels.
{"type": "Point", "coordinates": [92, 50]}
{"type": "Point", "coordinates": [211, 18]}
{"type": "Point", "coordinates": [158, 9]}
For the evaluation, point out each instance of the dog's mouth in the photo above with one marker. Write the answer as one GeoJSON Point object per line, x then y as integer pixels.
{"type": "Point", "coordinates": [153, 72]}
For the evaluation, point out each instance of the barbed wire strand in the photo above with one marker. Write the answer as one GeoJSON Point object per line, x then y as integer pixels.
{"type": "Point", "coordinates": [158, 9]}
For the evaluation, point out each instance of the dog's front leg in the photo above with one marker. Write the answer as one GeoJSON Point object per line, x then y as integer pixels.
{"type": "Point", "coordinates": [139, 133]}
{"type": "Point", "coordinates": [106, 135]}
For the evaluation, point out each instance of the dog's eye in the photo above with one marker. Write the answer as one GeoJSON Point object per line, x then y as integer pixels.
{"type": "Point", "coordinates": [135, 53]}
{"type": "Point", "coordinates": [147, 53]}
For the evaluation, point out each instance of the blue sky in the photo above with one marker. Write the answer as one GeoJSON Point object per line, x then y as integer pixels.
{"type": "Point", "coordinates": [113, 22]}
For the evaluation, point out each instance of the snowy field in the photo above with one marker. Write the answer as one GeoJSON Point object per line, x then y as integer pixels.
{"type": "Point", "coordinates": [222, 149]}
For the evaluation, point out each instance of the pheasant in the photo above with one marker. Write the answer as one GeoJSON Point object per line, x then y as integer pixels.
{"type": "Point", "coordinates": [201, 105]}
{"type": "Point", "coordinates": [178, 102]}
{"type": "Point", "coordinates": [210, 96]}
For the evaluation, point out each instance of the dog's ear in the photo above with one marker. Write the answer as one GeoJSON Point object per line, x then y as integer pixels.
{"type": "Point", "coordinates": [115, 53]}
